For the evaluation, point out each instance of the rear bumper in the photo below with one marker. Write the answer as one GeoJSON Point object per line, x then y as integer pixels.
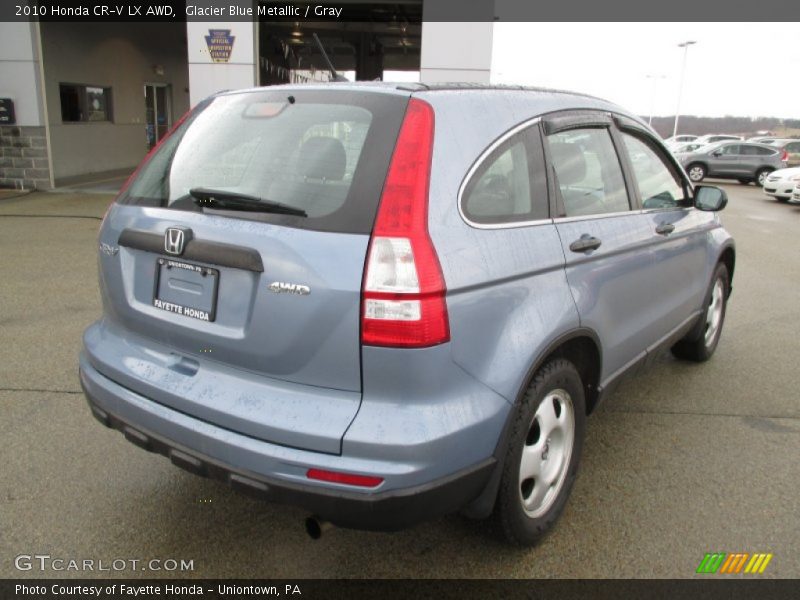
{"type": "Point", "coordinates": [277, 473]}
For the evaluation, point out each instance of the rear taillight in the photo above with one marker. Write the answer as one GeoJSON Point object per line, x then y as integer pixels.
{"type": "Point", "coordinates": [403, 298]}
{"type": "Point", "coordinates": [784, 155]}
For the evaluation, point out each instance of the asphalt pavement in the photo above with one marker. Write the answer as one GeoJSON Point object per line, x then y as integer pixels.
{"type": "Point", "coordinates": [682, 460]}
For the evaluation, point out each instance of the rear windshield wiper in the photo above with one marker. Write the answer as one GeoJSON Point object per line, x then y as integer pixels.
{"type": "Point", "coordinates": [224, 200]}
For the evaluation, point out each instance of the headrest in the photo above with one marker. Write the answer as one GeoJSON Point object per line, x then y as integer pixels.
{"type": "Point", "coordinates": [322, 158]}
{"type": "Point", "coordinates": [569, 162]}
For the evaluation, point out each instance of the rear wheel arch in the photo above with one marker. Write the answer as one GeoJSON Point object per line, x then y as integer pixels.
{"type": "Point", "coordinates": [582, 348]}
{"type": "Point", "coordinates": [579, 346]}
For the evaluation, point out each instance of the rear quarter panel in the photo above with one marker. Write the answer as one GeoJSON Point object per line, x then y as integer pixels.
{"type": "Point", "coordinates": [508, 297]}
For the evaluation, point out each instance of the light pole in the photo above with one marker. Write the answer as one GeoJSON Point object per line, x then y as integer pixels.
{"type": "Point", "coordinates": [685, 46]}
{"type": "Point", "coordinates": [655, 79]}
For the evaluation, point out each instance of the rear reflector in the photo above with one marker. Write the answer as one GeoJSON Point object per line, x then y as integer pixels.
{"type": "Point", "coordinates": [345, 478]}
{"type": "Point", "coordinates": [403, 300]}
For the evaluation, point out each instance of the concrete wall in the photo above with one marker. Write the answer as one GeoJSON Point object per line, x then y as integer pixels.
{"type": "Point", "coordinates": [24, 162]}
{"type": "Point", "coordinates": [123, 57]}
{"type": "Point", "coordinates": [456, 52]}
{"type": "Point", "coordinates": [19, 71]}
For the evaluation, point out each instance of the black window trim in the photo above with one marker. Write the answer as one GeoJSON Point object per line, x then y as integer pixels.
{"type": "Point", "coordinates": [529, 125]}
{"type": "Point", "coordinates": [576, 119]}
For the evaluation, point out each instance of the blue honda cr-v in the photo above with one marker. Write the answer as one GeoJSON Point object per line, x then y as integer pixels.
{"type": "Point", "coordinates": [386, 303]}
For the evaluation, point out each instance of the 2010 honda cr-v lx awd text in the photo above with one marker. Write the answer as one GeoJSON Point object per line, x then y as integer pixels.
{"type": "Point", "coordinates": [385, 303]}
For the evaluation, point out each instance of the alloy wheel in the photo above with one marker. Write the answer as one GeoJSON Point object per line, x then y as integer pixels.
{"type": "Point", "coordinates": [546, 453]}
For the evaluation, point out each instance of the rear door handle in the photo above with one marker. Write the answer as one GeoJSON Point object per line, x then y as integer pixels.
{"type": "Point", "coordinates": [665, 229]}
{"type": "Point", "coordinates": [585, 243]}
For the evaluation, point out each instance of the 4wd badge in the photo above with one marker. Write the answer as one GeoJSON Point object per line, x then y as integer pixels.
{"type": "Point", "coordinates": [280, 287]}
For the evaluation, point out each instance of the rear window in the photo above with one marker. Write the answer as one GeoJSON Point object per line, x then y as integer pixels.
{"type": "Point", "coordinates": [323, 152]}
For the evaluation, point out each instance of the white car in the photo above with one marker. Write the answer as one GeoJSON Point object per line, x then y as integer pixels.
{"type": "Point", "coordinates": [675, 140]}
{"type": "Point", "coordinates": [717, 137]}
{"type": "Point", "coordinates": [795, 199]}
{"type": "Point", "coordinates": [782, 183]}
{"type": "Point", "coordinates": [685, 147]}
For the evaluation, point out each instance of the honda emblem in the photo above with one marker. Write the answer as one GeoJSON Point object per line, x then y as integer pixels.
{"type": "Point", "coordinates": [175, 239]}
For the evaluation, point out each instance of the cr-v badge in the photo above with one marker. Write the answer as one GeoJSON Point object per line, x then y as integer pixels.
{"type": "Point", "coordinates": [108, 249]}
{"type": "Point", "coordinates": [281, 287]}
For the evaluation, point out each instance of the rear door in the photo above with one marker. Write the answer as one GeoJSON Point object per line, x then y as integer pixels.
{"type": "Point", "coordinates": [602, 236]}
{"type": "Point", "coordinates": [271, 292]}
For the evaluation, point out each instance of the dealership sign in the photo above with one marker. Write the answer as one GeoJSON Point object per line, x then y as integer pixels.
{"type": "Point", "coordinates": [220, 44]}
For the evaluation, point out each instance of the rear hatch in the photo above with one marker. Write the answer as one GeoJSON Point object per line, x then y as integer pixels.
{"type": "Point", "coordinates": [241, 248]}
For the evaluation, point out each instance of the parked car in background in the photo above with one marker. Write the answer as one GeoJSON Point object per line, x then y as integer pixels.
{"type": "Point", "coordinates": [761, 139]}
{"type": "Point", "coordinates": [781, 183]}
{"type": "Point", "coordinates": [792, 148]}
{"type": "Point", "coordinates": [795, 199]}
{"type": "Point", "coordinates": [743, 161]}
{"type": "Point", "coordinates": [679, 139]}
{"type": "Point", "coordinates": [716, 137]}
{"type": "Point", "coordinates": [686, 147]}
{"type": "Point", "coordinates": [414, 295]}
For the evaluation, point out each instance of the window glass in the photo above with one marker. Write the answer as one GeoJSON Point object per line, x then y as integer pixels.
{"type": "Point", "coordinates": [510, 184]}
{"type": "Point", "coordinates": [657, 185]}
{"type": "Point", "coordinates": [730, 150]}
{"type": "Point", "coordinates": [324, 153]}
{"type": "Point", "coordinates": [81, 103]}
{"type": "Point", "coordinates": [588, 171]}
{"type": "Point", "coordinates": [762, 151]}
{"type": "Point", "coordinates": [303, 157]}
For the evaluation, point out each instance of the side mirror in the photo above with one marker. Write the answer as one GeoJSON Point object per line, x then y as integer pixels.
{"type": "Point", "coordinates": [716, 153]}
{"type": "Point", "coordinates": [710, 198]}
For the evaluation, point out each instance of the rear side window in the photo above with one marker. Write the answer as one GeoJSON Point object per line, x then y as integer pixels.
{"type": "Point", "coordinates": [509, 185]}
{"type": "Point", "coordinates": [759, 151]}
{"type": "Point", "coordinates": [588, 171]}
{"type": "Point", "coordinates": [658, 185]}
{"type": "Point", "coordinates": [324, 153]}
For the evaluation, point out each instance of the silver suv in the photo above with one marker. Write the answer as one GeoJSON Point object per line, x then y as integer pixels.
{"type": "Point", "coordinates": [387, 303]}
{"type": "Point", "coordinates": [743, 161]}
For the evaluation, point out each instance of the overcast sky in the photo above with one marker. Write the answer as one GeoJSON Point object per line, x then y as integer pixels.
{"type": "Point", "coordinates": [741, 69]}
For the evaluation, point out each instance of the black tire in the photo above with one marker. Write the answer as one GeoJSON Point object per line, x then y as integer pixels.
{"type": "Point", "coordinates": [518, 526]}
{"type": "Point", "coordinates": [697, 172]}
{"type": "Point", "coordinates": [761, 176]}
{"type": "Point", "coordinates": [694, 346]}
{"type": "Point", "coordinates": [745, 181]}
